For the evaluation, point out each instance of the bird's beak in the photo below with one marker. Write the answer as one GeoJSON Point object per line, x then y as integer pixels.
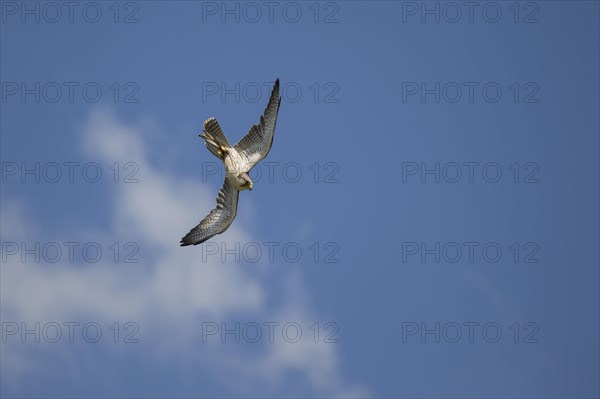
{"type": "Point", "coordinates": [246, 177]}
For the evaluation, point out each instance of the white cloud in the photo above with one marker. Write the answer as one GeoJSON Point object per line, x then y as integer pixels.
{"type": "Point", "coordinates": [168, 286]}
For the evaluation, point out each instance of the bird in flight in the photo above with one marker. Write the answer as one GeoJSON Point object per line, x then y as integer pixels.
{"type": "Point", "coordinates": [238, 161]}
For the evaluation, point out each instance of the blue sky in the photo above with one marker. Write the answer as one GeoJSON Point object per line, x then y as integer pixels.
{"type": "Point", "coordinates": [428, 219]}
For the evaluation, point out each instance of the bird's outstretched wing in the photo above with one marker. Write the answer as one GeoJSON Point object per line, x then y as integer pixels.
{"type": "Point", "coordinates": [214, 138]}
{"type": "Point", "coordinates": [218, 220]}
{"type": "Point", "coordinates": [255, 145]}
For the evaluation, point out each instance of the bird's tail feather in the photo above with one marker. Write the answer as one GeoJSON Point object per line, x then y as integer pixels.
{"type": "Point", "coordinates": [215, 139]}
{"type": "Point", "coordinates": [213, 146]}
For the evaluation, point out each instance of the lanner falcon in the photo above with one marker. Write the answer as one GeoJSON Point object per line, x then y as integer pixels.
{"type": "Point", "coordinates": [238, 161]}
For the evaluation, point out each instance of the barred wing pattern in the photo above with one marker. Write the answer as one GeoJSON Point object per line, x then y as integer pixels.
{"type": "Point", "coordinates": [255, 145]}
{"type": "Point", "coordinates": [218, 220]}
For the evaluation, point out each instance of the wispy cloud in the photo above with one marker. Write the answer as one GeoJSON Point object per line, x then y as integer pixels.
{"type": "Point", "coordinates": [169, 287]}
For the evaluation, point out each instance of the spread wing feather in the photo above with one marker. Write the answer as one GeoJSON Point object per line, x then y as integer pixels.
{"type": "Point", "coordinates": [255, 145]}
{"type": "Point", "coordinates": [218, 220]}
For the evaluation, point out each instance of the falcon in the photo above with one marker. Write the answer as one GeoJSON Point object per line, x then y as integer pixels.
{"type": "Point", "coordinates": [238, 161]}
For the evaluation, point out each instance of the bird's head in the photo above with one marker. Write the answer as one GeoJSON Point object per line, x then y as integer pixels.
{"type": "Point", "coordinates": [245, 181]}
